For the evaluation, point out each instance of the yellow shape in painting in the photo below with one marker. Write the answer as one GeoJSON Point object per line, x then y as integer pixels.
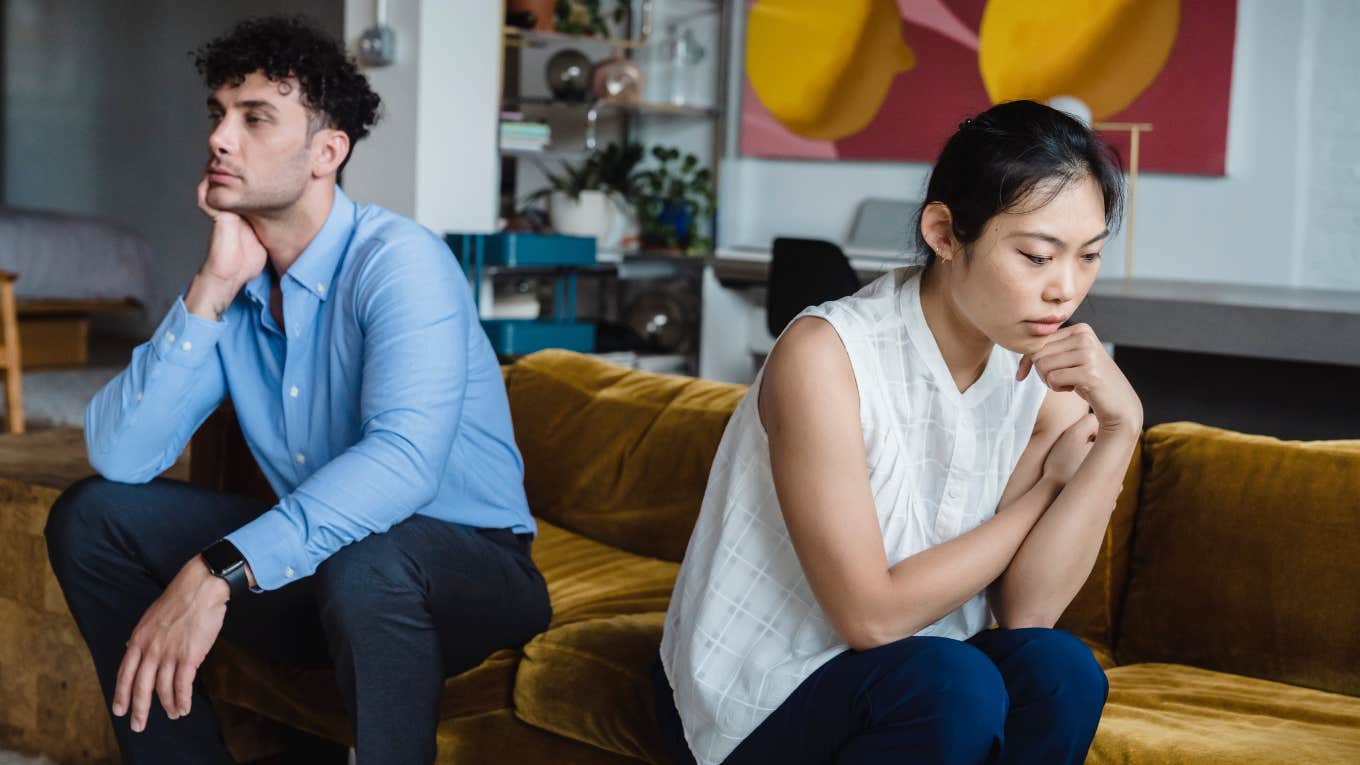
{"type": "Point", "coordinates": [824, 68]}
{"type": "Point", "coordinates": [1105, 52]}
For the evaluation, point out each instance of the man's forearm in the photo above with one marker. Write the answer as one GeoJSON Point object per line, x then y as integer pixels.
{"type": "Point", "coordinates": [1056, 557]}
{"type": "Point", "coordinates": [209, 296]}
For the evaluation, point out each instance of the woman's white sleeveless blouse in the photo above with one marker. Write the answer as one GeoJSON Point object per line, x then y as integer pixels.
{"type": "Point", "coordinates": [743, 629]}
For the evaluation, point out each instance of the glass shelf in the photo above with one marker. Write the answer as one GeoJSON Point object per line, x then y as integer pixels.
{"type": "Point", "coordinates": [533, 39]}
{"type": "Point", "coordinates": [561, 154]}
{"type": "Point", "coordinates": [646, 107]}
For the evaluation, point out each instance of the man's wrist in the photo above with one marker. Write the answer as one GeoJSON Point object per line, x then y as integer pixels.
{"type": "Point", "coordinates": [216, 584]}
{"type": "Point", "coordinates": [209, 296]}
{"type": "Point", "coordinates": [225, 561]}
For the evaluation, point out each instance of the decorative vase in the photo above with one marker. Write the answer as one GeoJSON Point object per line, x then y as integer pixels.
{"type": "Point", "coordinates": [679, 216]}
{"type": "Point", "coordinates": [617, 79]}
{"type": "Point", "coordinates": [568, 75]}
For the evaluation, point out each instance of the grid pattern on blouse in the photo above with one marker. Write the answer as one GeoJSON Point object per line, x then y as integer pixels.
{"type": "Point", "coordinates": [744, 629]}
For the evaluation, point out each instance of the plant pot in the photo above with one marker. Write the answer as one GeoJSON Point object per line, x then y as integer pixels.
{"type": "Point", "coordinates": [676, 215]}
{"type": "Point", "coordinates": [593, 213]}
{"type": "Point", "coordinates": [544, 12]}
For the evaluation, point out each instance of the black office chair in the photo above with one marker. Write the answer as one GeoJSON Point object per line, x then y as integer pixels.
{"type": "Point", "coordinates": [804, 272]}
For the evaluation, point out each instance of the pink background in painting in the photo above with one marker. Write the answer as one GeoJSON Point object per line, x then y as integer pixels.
{"type": "Point", "coordinates": [1187, 104]}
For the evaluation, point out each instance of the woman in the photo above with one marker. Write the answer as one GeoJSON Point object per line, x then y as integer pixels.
{"type": "Point", "coordinates": [915, 463]}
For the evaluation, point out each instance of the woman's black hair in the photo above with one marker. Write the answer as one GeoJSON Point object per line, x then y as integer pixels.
{"type": "Point", "coordinates": [333, 88]}
{"type": "Point", "coordinates": [996, 159]}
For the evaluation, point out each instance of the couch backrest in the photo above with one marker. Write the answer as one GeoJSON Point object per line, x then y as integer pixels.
{"type": "Point", "coordinates": [617, 455]}
{"type": "Point", "coordinates": [1246, 557]}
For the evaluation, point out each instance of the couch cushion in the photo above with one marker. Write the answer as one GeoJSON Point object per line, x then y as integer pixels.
{"type": "Point", "coordinates": [501, 737]}
{"type": "Point", "coordinates": [617, 455]}
{"type": "Point", "coordinates": [1092, 613]}
{"type": "Point", "coordinates": [1245, 557]}
{"type": "Point", "coordinates": [612, 657]}
{"type": "Point", "coordinates": [586, 580]}
{"type": "Point", "coordinates": [589, 580]}
{"type": "Point", "coordinates": [1167, 713]}
{"type": "Point", "coordinates": [307, 699]}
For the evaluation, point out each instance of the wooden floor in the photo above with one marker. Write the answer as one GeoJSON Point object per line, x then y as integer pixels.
{"type": "Point", "coordinates": [55, 457]}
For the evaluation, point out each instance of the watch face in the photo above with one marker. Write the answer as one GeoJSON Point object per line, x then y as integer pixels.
{"type": "Point", "coordinates": [222, 558]}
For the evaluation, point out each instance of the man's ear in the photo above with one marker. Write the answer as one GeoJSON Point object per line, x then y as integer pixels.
{"type": "Point", "coordinates": [332, 147]}
{"type": "Point", "coordinates": [937, 226]}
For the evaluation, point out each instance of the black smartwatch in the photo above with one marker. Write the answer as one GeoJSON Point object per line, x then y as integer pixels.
{"type": "Point", "coordinates": [225, 561]}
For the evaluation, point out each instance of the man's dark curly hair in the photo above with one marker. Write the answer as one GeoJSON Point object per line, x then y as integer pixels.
{"type": "Point", "coordinates": [333, 88]}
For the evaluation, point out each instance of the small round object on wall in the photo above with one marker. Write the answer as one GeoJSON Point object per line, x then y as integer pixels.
{"type": "Point", "coordinates": [568, 75]}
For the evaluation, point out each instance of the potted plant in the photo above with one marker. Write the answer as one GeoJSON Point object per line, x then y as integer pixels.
{"type": "Point", "coordinates": [589, 198]}
{"type": "Point", "coordinates": [670, 199]}
{"type": "Point", "coordinates": [584, 17]}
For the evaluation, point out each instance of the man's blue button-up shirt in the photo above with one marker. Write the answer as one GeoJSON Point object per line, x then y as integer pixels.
{"type": "Point", "coordinates": [380, 396]}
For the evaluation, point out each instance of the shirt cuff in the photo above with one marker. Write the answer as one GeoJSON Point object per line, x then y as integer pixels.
{"type": "Point", "coordinates": [269, 544]}
{"type": "Point", "coordinates": [184, 339]}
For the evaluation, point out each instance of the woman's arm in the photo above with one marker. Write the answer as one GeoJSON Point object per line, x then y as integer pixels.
{"type": "Point", "coordinates": [1056, 558]}
{"type": "Point", "coordinates": [809, 405]}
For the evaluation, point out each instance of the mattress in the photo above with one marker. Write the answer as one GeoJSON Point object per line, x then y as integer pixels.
{"type": "Point", "coordinates": [60, 255]}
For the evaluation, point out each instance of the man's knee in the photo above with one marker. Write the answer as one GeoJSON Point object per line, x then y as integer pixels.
{"type": "Point", "coordinates": [364, 580]}
{"type": "Point", "coordinates": [76, 520]}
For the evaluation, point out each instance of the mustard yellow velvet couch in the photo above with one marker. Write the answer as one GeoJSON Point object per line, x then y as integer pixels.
{"type": "Point", "coordinates": [1225, 604]}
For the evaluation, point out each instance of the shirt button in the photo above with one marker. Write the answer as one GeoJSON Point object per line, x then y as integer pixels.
{"type": "Point", "coordinates": [288, 572]}
{"type": "Point", "coordinates": [321, 288]}
{"type": "Point", "coordinates": [301, 458]}
{"type": "Point", "coordinates": [169, 337]}
{"type": "Point", "coordinates": [139, 397]}
{"type": "Point", "coordinates": [293, 391]}
{"type": "Point", "coordinates": [187, 345]}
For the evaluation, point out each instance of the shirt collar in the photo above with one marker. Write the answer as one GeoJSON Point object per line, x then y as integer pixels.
{"type": "Point", "coordinates": [315, 267]}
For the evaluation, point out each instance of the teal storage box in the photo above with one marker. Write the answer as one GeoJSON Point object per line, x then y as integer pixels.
{"type": "Point", "coordinates": [516, 337]}
{"type": "Point", "coordinates": [522, 250]}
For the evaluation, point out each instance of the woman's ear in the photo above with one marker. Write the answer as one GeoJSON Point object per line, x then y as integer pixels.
{"type": "Point", "coordinates": [937, 226]}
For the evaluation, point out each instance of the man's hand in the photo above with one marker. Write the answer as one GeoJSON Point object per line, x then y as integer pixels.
{"type": "Point", "coordinates": [235, 256]}
{"type": "Point", "coordinates": [169, 644]}
{"type": "Point", "coordinates": [1074, 360]}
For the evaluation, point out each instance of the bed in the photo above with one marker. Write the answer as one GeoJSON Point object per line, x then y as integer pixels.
{"type": "Point", "coordinates": [70, 268]}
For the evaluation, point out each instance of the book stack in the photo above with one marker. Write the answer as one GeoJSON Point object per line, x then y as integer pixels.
{"type": "Point", "coordinates": [519, 134]}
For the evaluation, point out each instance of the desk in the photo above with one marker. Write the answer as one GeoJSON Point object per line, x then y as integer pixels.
{"type": "Point", "coordinates": [1281, 361]}
{"type": "Point", "coordinates": [733, 336]}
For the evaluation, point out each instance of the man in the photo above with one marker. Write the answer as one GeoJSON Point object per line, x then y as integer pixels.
{"type": "Point", "coordinates": [346, 337]}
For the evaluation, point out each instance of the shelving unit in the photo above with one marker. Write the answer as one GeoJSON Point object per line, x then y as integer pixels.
{"type": "Point", "coordinates": [584, 126]}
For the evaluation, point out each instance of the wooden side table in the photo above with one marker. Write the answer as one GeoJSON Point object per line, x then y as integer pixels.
{"type": "Point", "coordinates": [10, 357]}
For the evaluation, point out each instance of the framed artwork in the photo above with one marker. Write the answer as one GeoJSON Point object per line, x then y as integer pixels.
{"type": "Point", "coordinates": [890, 80]}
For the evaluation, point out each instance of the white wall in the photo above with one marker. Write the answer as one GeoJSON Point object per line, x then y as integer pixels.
{"type": "Point", "coordinates": [1287, 213]}
{"type": "Point", "coordinates": [433, 155]}
{"type": "Point", "coordinates": [104, 114]}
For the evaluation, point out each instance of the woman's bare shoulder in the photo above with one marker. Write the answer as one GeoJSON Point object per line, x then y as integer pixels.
{"type": "Point", "coordinates": [808, 368]}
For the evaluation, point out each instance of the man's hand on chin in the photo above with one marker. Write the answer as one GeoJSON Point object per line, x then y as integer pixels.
{"type": "Point", "coordinates": [169, 644]}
